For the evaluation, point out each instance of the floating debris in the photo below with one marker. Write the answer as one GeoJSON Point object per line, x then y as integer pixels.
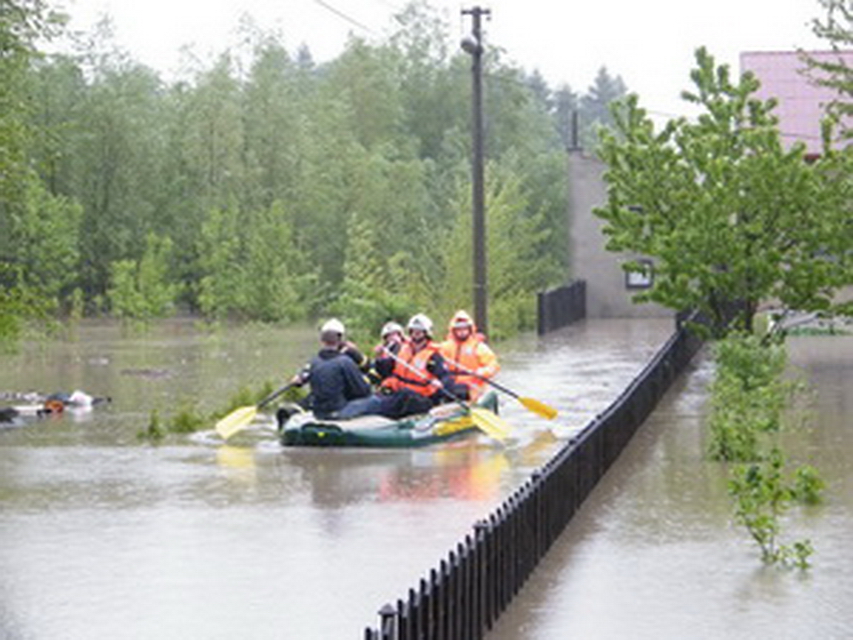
{"type": "Point", "coordinates": [147, 373]}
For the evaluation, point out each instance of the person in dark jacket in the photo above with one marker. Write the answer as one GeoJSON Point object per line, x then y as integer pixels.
{"type": "Point", "coordinates": [339, 389]}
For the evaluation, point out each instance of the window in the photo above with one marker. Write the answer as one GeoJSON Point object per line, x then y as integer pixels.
{"type": "Point", "coordinates": [641, 279]}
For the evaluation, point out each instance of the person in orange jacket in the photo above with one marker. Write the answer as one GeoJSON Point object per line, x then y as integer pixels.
{"type": "Point", "coordinates": [467, 356]}
{"type": "Point", "coordinates": [418, 375]}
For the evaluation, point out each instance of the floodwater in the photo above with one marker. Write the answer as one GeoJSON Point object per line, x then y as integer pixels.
{"type": "Point", "coordinates": [653, 553]}
{"type": "Point", "coordinates": [105, 536]}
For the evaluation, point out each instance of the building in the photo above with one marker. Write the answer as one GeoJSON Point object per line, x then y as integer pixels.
{"type": "Point", "coordinates": [802, 102]}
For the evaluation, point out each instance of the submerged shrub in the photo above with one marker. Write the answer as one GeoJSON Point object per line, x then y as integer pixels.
{"type": "Point", "coordinates": [748, 396]}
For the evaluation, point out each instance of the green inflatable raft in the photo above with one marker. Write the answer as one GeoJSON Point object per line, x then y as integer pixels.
{"type": "Point", "coordinates": [442, 424]}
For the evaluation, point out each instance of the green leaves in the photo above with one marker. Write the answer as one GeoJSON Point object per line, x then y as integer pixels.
{"type": "Point", "coordinates": [141, 290]}
{"type": "Point", "coordinates": [727, 212]}
{"type": "Point", "coordinates": [285, 188]}
{"type": "Point", "coordinates": [750, 401]}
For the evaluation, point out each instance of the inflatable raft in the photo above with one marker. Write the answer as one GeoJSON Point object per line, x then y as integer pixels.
{"type": "Point", "coordinates": [442, 424]}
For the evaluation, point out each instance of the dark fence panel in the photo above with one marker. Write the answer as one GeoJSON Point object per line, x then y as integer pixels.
{"type": "Point", "coordinates": [561, 306]}
{"type": "Point", "coordinates": [463, 598]}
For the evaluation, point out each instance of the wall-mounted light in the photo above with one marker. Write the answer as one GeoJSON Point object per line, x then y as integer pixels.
{"type": "Point", "coordinates": [471, 45]}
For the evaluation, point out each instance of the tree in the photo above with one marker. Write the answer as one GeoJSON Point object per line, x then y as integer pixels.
{"type": "Point", "coordinates": [140, 290]}
{"type": "Point", "coordinates": [595, 105]}
{"type": "Point", "coordinates": [33, 224]}
{"type": "Point", "coordinates": [109, 112]}
{"type": "Point", "coordinates": [517, 230]}
{"type": "Point", "coordinates": [565, 109]}
{"type": "Point", "coordinates": [837, 29]}
{"type": "Point", "coordinates": [728, 214]}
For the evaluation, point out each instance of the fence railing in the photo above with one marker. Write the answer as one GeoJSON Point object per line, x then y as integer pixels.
{"type": "Point", "coordinates": [463, 597]}
{"type": "Point", "coordinates": [561, 306]}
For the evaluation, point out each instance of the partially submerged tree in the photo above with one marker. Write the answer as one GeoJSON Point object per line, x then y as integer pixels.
{"type": "Point", "coordinates": [730, 216]}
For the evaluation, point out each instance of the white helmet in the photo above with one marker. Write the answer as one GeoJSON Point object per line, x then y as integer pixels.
{"type": "Point", "coordinates": [420, 321]}
{"type": "Point", "coordinates": [333, 326]}
{"type": "Point", "coordinates": [461, 319]}
{"type": "Point", "coordinates": [391, 327]}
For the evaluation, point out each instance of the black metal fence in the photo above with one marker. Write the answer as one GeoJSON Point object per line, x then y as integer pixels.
{"type": "Point", "coordinates": [463, 597]}
{"type": "Point", "coordinates": [561, 306]}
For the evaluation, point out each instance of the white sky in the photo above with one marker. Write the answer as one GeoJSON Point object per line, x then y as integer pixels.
{"type": "Point", "coordinates": [649, 43]}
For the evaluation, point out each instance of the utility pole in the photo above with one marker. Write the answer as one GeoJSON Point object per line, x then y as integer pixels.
{"type": "Point", "coordinates": [473, 44]}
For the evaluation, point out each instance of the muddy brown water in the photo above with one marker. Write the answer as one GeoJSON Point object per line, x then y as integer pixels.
{"type": "Point", "coordinates": [104, 536]}
{"type": "Point", "coordinates": [653, 552]}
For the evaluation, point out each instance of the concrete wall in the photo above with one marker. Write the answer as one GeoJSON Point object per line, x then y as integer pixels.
{"type": "Point", "coordinates": [607, 295]}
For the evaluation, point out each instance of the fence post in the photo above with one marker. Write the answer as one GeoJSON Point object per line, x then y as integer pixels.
{"type": "Point", "coordinates": [387, 626]}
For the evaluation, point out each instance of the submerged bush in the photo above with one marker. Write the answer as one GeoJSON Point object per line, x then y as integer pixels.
{"type": "Point", "coordinates": [749, 400]}
{"type": "Point", "coordinates": [748, 396]}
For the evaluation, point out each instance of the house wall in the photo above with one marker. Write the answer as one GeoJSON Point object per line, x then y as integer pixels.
{"type": "Point", "coordinates": [607, 295]}
{"type": "Point", "coordinates": [802, 102]}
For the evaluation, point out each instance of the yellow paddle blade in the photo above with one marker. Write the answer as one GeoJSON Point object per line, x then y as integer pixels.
{"type": "Point", "coordinates": [235, 421]}
{"type": "Point", "coordinates": [539, 407]}
{"type": "Point", "coordinates": [490, 423]}
{"type": "Point", "coordinates": [452, 426]}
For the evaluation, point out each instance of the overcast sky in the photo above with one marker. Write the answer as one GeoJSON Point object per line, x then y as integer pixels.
{"type": "Point", "coordinates": [648, 43]}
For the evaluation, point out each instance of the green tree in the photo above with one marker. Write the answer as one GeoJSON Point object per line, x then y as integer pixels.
{"type": "Point", "coordinates": [365, 299]}
{"type": "Point", "coordinates": [727, 213]}
{"type": "Point", "coordinates": [117, 155]}
{"type": "Point", "coordinates": [43, 239]}
{"type": "Point", "coordinates": [595, 111]}
{"type": "Point", "coordinates": [363, 79]}
{"type": "Point", "coordinates": [566, 106]}
{"type": "Point", "coordinates": [273, 114]}
{"type": "Point", "coordinates": [837, 29]}
{"type": "Point", "coordinates": [434, 94]}
{"type": "Point", "coordinates": [278, 281]}
{"type": "Point", "coordinates": [141, 290]}
{"type": "Point", "coordinates": [214, 137]}
{"type": "Point", "coordinates": [222, 280]}
{"type": "Point", "coordinates": [32, 222]}
{"type": "Point", "coordinates": [516, 230]}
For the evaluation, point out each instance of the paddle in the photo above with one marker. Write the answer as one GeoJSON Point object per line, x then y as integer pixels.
{"type": "Point", "coordinates": [240, 418]}
{"type": "Point", "coordinates": [536, 406]}
{"type": "Point", "coordinates": [488, 422]}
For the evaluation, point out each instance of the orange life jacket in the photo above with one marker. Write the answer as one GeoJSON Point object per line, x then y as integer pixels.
{"type": "Point", "coordinates": [416, 376]}
{"type": "Point", "coordinates": [473, 355]}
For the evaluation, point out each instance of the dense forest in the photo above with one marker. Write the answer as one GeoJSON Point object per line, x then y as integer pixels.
{"type": "Point", "coordinates": [265, 186]}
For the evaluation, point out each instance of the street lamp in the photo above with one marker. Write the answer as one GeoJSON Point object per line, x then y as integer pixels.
{"type": "Point", "coordinates": [473, 45]}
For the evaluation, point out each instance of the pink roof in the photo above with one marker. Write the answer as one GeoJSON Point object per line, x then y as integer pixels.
{"type": "Point", "coordinates": [801, 102]}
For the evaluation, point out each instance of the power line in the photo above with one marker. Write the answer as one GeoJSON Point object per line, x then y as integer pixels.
{"type": "Point", "coordinates": [345, 16]}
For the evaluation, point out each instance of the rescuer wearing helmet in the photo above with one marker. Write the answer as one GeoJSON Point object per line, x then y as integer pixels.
{"type": "Point", "coordinates": [418, 375]}
{"type": "Point", "coordinates": [467, 356]}
{"type": "Point", "coordinates": [345, 346]}
{"type": "Point", "coordinates": [338, 386]}
{"type": "Point", "coordinates": [392, 338]}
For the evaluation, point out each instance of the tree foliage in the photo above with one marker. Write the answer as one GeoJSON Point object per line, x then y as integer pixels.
{"type": "Point", "coordinates": [727, 212]}
{"type": "Point", "coordinates": [837, 29]}
{"type": "Point", "coordinates": [262, 185]}
{"type": "Point", "coordinates": [751, 402]}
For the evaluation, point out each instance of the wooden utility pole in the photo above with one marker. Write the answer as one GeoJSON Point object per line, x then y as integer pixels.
{"type": "Point", "coordinates": [473, 45]}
